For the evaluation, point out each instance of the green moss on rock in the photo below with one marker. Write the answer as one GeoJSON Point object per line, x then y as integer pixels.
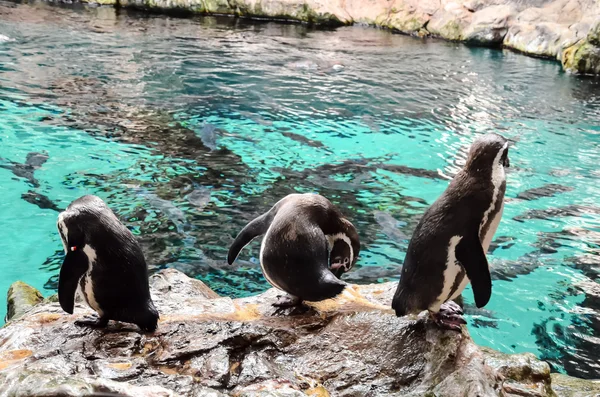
{"type": "Point", "coordinates": [582, 58]}
{"type": "Point", "coordinates": [593, 36]}
{"type": "Point", "coordinates": [451, 31]}
{"type": "Point", "coordinates": [21, 297]}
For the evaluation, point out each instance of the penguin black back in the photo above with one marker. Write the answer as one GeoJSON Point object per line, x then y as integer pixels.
{"type": "Point", "coordinates": [105, 261]}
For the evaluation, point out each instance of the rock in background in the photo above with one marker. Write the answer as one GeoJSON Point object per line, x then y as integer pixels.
{"type": "Point", "coordinates": [207, 345]}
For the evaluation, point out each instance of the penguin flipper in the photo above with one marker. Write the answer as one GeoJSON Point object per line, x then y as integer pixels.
{"type": "Point", "coordinates": [253, 229]}
{"type": "Point", "coordinates": [73, 268]}
{"type": "Point", "coordinates": [469, 253]}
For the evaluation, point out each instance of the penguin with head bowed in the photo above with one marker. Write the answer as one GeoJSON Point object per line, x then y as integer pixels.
{"type": "Point", "coordinates": [308, 245]}
{"type": "Point", "coordinates": [105, 263]}
{"type": "Point", "coordinates": [448, 247]}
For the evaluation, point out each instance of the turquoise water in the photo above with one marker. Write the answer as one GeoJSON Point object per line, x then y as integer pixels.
{"type": "Point", "coordinates": [189, 128]}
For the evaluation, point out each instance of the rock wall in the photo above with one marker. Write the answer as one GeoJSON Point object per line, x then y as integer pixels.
{"type": "Point", "coordinates": [565, 30]}
{"type": "Point", "coordinates": [207, 345]}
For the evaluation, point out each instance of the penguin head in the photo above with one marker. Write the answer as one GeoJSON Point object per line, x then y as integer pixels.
{"type": "Point", "coordinates": [71, 234]}
{"type": "Point", "coordinates": [488, 152]}
{"type": "Point", "coordinates": [340, 258]}
{"type": "Point", "coordinates": [345, 248]}
{"type": "Point", "coordinates": [81, 216]}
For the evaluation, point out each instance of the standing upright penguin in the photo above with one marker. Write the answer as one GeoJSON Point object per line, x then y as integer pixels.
{"type": "Point", "coordinates": [105, 262]}
{"type": "Point", "coordinates": [307, 246]}
{"type": "Point", "coordinates": [448, 247]}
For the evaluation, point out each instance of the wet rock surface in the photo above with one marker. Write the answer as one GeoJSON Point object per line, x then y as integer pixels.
{"type": "Point", "coordinates": [566, 30]}
{"type": "Point", "coordinates": [207, 345]}
{"type": "Point", "coordinates": [21, 297]}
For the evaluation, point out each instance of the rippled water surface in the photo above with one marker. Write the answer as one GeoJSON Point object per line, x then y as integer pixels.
{"type": "Point", "coordinates": [189, 128]}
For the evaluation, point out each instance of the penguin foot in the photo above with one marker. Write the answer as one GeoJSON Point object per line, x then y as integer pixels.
{"type": "Point", "coordinates": [451, 307]}
{"type": "Point", "coordinates": [288, 301]}
{"type": "Point", "coordinates": [452, 322]}
{"type": "Point", "coordinates": [449, 317]}
{"type": "Point", "coordinates": [92, 321]}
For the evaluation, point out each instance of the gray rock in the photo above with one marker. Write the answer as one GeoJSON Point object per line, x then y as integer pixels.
{"type": "Point", "coordinates": [21, 297]}
{"type": "Point", "coordinates": [450, 22]}
{"type": "Point", "coordinates": [490, 25]}
{"type": "Point", "coordinates": [545, 39]}
{"type": "Point", "coordinates": [207, 345]}
{"type": "Point", "coordinates": [584, 56]}
{"type": "Point", "coordinates": [564, 386]}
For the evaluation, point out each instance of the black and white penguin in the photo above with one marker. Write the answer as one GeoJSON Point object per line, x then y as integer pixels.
{"type": "Point", "coordinates": [308, 245]}
{"type": "Point", "coordinates": [105, 263]}
{"type": "Point", "coordinates": [448, 247]}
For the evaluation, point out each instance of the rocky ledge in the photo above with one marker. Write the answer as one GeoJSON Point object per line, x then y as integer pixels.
{"type": "Point", "coordinates": [207, 345]}
{"type": "Point", "coordinates": [565, 30]}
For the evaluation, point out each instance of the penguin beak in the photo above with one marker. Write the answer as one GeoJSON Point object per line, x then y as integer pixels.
{"type": "Point", "coordinates": [338, 269]}
{"type": "Point", "coordinates": [339, 266]}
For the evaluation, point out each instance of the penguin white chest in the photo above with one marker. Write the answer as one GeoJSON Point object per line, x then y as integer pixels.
{"type": "Point", "coordinates": [491, 230]}
{"type": "Point", "coordinates": [490, 226]}
{"type": "Point", "coordinates": [88, 290]}
{"type": "Point", "coordinates": [451, 273]}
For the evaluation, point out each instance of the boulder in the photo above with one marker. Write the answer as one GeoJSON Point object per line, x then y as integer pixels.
{"type": "Point", "coordinates": [450, 21]}
{"type": "Point", "coordinates": [490, 25]}
{"type": "Point", "coordinates": [567, 386]}
{"type": "Point", "coordinates": [20, 298]}
{"type": "Point", "coordinates": [582, 58]}
{"type": "Point", "coordinates": [207, 345]}
{"type": "Point", "coordinates": [544, 39]}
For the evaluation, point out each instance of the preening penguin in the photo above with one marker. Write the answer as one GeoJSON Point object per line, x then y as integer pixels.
{"type": "Point", "coordinates": [308, 244]}
{"type": "Point", "coordinates": [105, 262]}
{"type": "Point", "coordinates": [448, 247]}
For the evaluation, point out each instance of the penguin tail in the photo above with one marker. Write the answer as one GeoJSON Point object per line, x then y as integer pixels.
{"type": "Point", "coordinates": [399, 303]}
{"type": "Point", "coordinates": [148, 322]}
{"type": "Point", "coordinates": [252, 230]}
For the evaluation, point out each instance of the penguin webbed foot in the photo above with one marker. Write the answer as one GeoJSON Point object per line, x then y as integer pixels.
{"type": "Point", "coordinates": [449, 317]}
{"type": "Point", "coordinates": [92, 321]}
{"type": "Point", "coordinates": [285, 301]}
{"type": "Point", "coordinates": [451, 308]}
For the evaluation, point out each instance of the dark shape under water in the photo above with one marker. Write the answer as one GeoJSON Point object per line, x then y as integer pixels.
{"type": "Point", "coordinates": [302, 139]}
{"type": "Point", "coordinates": [208, 135]}
{"type": "Point", "coordinates": [418, 172]}
{"type": "Point", "coordinates": [40, 200]}
{"type": "Point", "coordinates": [570, 345]}
{"type": "Point", "coordinates": [33, 161]}
{"type": "Point", "coordinates": [170, 210]}
{"type": "Point", "coordinates": [199, 197]}
{"type": "Point", "coordinates": [389, 227]}
{"type": "Point", "coordinates": [508, 270]}
{"type": "Point", "coordinates": [549, 190]}
{"type": "Point", "coordinates": [588, 264]}
{"type": "Point", "coordinates": [361, 165]}
{"type": "Point", "coordinates": [559, 212]}
{"type": "Point", "coordinates": [502, 242]}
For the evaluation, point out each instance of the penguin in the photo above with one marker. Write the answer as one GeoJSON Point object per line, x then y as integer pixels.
{"type": "Point", "coordinates": [308, 245]}
{"type": "Point", "coordinates": [448, 247]}
{"type": "Point", "coordinates": [33, 162]}
{"type": "Point", "coordinates": [105, 264]}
